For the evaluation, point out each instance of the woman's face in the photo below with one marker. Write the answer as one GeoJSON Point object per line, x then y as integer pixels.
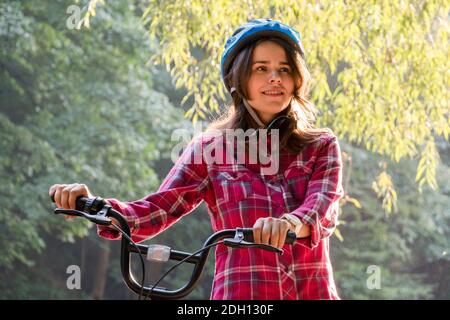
{"type": "Point", "coordinates": [271, 84]}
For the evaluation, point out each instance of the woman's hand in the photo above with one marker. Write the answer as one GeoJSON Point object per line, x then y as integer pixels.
{"type": "Point", "coordinates": [66, 194]}
{"type": "Point", "coordinates": [271, 231]}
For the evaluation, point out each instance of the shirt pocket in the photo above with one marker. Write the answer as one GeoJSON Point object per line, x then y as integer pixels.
{"type": "Point", "coordinates": [234, 186]}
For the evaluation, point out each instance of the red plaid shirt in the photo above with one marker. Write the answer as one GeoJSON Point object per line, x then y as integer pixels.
{"type": "Point", "coordinates": [308, 185]}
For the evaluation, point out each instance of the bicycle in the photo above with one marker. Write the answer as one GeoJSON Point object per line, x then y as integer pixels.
{"type": "Point", "coordinates": [99, 212]}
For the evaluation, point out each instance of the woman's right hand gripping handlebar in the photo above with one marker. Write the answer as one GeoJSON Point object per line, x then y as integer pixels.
{"type": "Point", "coordinates": [66, 194]}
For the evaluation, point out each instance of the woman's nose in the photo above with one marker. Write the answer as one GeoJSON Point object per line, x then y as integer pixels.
{"type": "Point", "coordinates": [274, 77]}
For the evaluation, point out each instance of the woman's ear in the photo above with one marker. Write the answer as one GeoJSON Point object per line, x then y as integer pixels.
{"type": "Point", "coordinates": [230, 85]}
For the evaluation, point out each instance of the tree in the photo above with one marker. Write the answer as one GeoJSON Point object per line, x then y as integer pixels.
{"type": "Point", "coordinates": [81, 105]}
{"type": "Point", "coordinates": [379, 67]}
{"type": "Point", "coordinates": [407, 249]}
{"type": "Point", "coordinates": [64, 102]}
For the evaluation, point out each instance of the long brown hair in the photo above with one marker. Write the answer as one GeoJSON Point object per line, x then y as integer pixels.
{"type": "Point", "coordinates": [296, 133]}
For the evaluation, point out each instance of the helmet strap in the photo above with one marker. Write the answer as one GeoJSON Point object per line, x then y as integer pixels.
{"type": "Point", "coordinates": [253, 113]}
{"type": "Point", "coordinates": [250, 110]}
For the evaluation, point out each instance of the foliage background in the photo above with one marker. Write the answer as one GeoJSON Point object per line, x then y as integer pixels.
{"type": "Point", "coordinates": [98, 105]}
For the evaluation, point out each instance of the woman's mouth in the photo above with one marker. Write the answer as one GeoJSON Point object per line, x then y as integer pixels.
{"type": "Point", "coordinates": [273, 93]}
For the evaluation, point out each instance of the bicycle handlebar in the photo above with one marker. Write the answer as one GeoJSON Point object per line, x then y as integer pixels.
{"type": "Point", "coordinates": [99, 212]}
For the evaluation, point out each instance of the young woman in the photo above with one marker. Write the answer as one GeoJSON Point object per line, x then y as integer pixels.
{"type": "Point", "coordinates": [263, 68]}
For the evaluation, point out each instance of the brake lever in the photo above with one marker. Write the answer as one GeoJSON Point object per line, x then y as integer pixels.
{"type": "Point", "coordinates": [240, 243]}
{"type": "Point", "coordinates": [99, 218]}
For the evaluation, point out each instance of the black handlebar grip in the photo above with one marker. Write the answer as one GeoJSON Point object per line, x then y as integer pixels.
{"type": "Point", "coordinates": [291, 237]}
{"type": "Point", "coordinates": [80, 203]}
{"type": "Point", "coordinates": [248, 236]}
{"type": "Point", "coordinates": [87, 205]}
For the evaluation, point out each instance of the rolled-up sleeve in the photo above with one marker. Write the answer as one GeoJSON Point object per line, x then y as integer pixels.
{"type": "Point", "coordinates": [320, 208]}
{"type": "Point", "coordinates": [180, 193]}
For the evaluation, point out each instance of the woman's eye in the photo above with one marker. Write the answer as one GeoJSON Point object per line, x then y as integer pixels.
{"type": "Point", "coordinates": [287, 70]}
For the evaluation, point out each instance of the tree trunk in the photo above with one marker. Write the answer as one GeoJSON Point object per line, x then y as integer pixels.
{"type": "Point", "coordinates": [101, 272]}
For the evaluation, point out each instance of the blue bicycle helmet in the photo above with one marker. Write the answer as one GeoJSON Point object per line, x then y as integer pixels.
{"type": "Point", "coordinates": [253, 30]}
